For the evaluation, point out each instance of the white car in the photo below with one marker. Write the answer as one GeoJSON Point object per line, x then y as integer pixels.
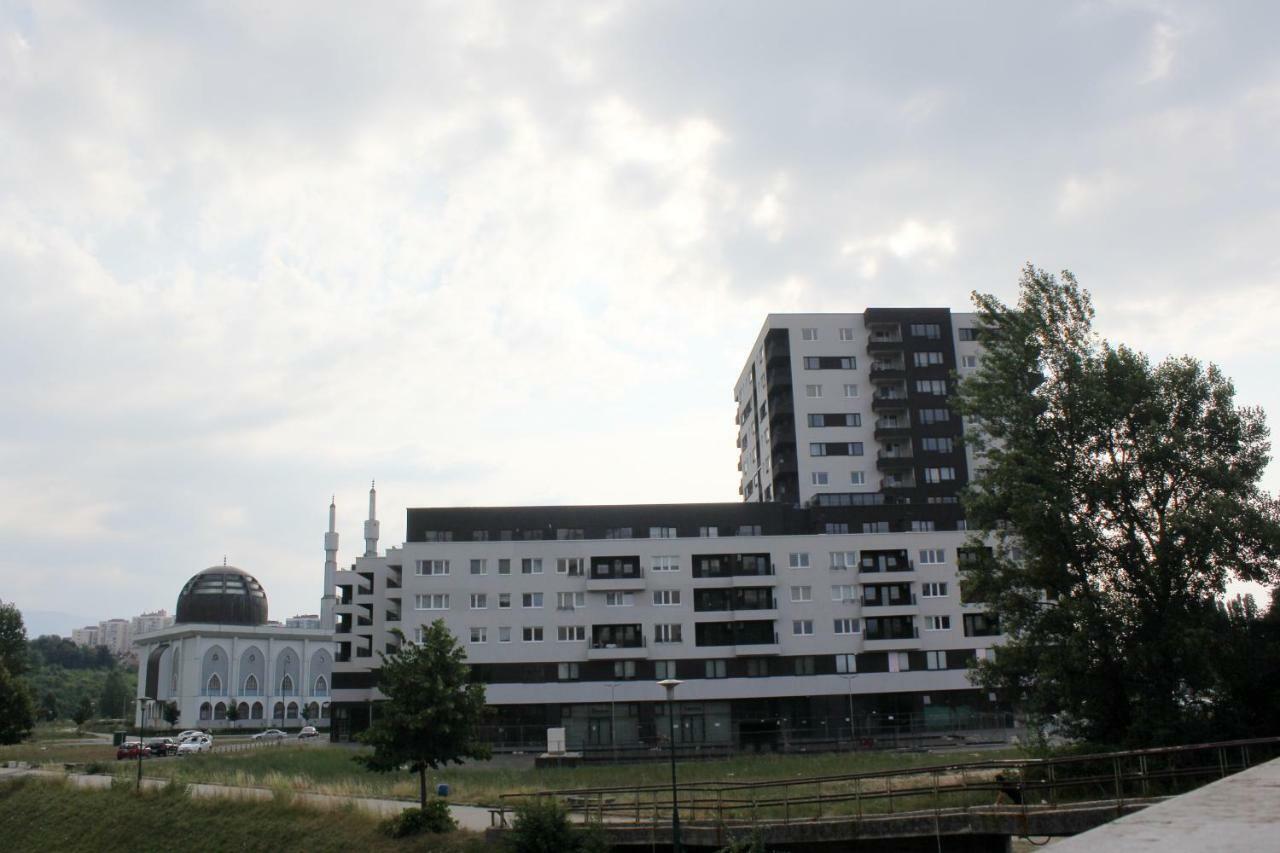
{"type": "Point", "coordinates": [308, 732]}
{"type": "Point", "coordinates": [186, 734]}
{"type": "Point", "coordinates": [203, 743]}
{"type": "Point", "coordinates": [270, 734]}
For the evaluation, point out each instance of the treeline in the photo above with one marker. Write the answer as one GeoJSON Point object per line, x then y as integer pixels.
{"type": "Point", "coordinates": [52, 650]}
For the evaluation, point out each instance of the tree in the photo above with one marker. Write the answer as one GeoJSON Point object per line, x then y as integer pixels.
{"type": "Point", "coordinates": [49, 706]}
{"type": "Point", "coordinates": [1112, 501]}
{"type": "Point", "coordinates": [433, 710]}
{"type": "Point", "coordinates": [17, 711]}
{"type": "Point", "coordinates": [233, 713]}
{"type": "Point", "coordinates": [83, 712]}
{"type": "Point", "coordinates": [115, 694]}
{"type": "Point", "coordinates": [171, 713]}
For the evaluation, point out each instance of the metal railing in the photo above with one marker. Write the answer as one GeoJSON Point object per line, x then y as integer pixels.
{"type": "Point", "coordinates": [1026, 784]}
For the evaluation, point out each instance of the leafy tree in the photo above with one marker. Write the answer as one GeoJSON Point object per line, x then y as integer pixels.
{"type": "Point", "coordinates": [49, 706]}
{"type": "Point", "coordinates": [233, 713]}
{"type": "Point", "coordinates": [115, 694]}
{"type": "Point", "coordinates": [17, 711]}
{"type": "Point", "coordinates": [433, 710]}
{"type": "Point", "coordinates": [13, 640]}
{"type": "Point", "coordinates": [171, 713]}
{"type": "Point", "coordinates": [83, 712]}
{"type": "Point", "coordinates": [543, 826]}
{"type": "Point", "coordinates": [1117, 498]}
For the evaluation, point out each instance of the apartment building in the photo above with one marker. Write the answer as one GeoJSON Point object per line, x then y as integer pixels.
{"type": "Point", "coordinates": [828, 601]}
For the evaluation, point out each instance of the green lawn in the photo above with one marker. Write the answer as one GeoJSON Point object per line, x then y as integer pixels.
{"type": "Point", "coordinates": [39, 815]}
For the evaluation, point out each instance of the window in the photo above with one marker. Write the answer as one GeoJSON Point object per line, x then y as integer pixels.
{"type": "Point", "coordinates": [504, 634]}
{"type": "Point", "coordinates": [748, 530]}
{"type": "Point", "coordinates": [937, 623]}
{"type": "Point", "coordinates": [932, 556]}
{"type": "Point", "coordinates": [934, 416]}
{"type": "Point", "coordinates": [819, 478]}
{"type": "Point", "coordinates": [802, 593]}
{"type": "Point", "coordinates": [933, 590]}
{"type": "Point", "coordinates": [624, 669]}
{"type": "Point", "coordinates": [968, 361]}
{"type": "Point", "coordinates": [531, 566]}
{"type": "Point", "coordinates": [858, 478]}
{"type": "Point", "coordinates": [843, 592]}
{"type": "Point", "coordinates": [802, 627]}
{"type": "Point", "coordinates": [504, 566]}
{"type": "Point", "coordinates": [844, 559]}
{"type": "Point", "coordinates": [808, 334]}
{"type": "Point", "coordinates": [479, 635]}
{"type": "Point", "coordinates": [804, 665]}
{"type": "Point", "coordinates": [572, 566]}
{"type": "Point", "coordinates": [846, 334]}
{"type": "Point", "coordinates": [926, 359]}
{"type": "Point", "coordinates": [708, 532]}
{"type": "Point", "coordinates": [925, 526]}
{"type": "Point", "coordinates": [532, 535]}
{"type": "Point", "coordinates": [531, 600]}
{"type": "Point", "coordinates": [798, 561]}
{"type": "Point", "coordinates": [967, 333]}
{"type": "Point", "coordinates": [664, 669]}
{"type": "Point", "coordinates": [479, 601]}
{"type": "Point", "coordinates": [432, 601]}
{"type": "Point", "coordinates": [567, 672]}
{"type": "Point", "coordinates": [571, 633]}
{"type": "Point", "coordinates": [533, 634]}
{"type": "Point", "coordinates": [830, 362]}
{"type": "Point", "coordinates": [570, 600]}
{"type": "Point", "coordinates": [618, 599]}
{"type": "Point", "coordinates": [666, 598]}
{"type": "Point", "coordinates": [899, 662]}
{"type": "Point", "coordinates": [813, 391]}
{"type": "Point", "coordinates": [846, 626]}
{"type": "Point", "coordinates": [427, 568]}
{"type": "Point", "coordinates": [938, 445]}
{"type": "Point", "coordinates": [939, 475]}
{"type": "Point", "coordinates": [504, 600]}
{"type": "Point", "coordinates": [618, 533]}
{"type": "Point", "coordinates": [437, 536]}
{"type": "Point", "coordinates": [931, 386]}
{"type": "Point", "coordinates": [716, 669]}
{"type": "Point", "coordinates": [846, 663]}
{"type": "Point", "coordinates": [667, 633]}
{"type": "Point", "coordinates": [479, 536]}
{"type": "Point", "coordinates": [875, 527]}
{"type": "Point", "coordinates": [850, 391]}
{"type": "Point", "coordinates": [838, 419]}
{"type": "Point", "coordinates": [836, 448]}
{"type": "Point", "coordinates": [935, 660]}
{"type": "Point", "coordinates": [833, 527]}
{"type": "Point", "coordinates": [662, 533]}
{"type": "Point", "coordinates": [479, 567]}
{"type": "Point", "coordinates": [569, 533]}
{"type": "Point", "coordinates": [932, 331]}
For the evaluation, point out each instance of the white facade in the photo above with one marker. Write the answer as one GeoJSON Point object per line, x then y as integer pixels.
{"type": "Point", "coordinates": [147, 623]}
{"type": "Point", "coordinates": [115, 634]}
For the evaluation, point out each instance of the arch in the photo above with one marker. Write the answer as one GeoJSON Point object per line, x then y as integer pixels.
{"type": "Point", "coordinates": [321, 687]}
{"type": "Point", "coordinates": [220, 711]}
{"type": "Point", "coordinates": [277, 713]}
{"type": "Point", "coordinates": [291, 713]}
{"type": "Point", "coordinates": [175, 661]}
{"type": "Point", "coordinates": [255, 713]}
{"type": "Point", "coordinates": [251, 685]}
{"type": "Point", "coordinates": [321, 664]}
{"type": "Point", "coordinates": [213, 687]}
{"type": "Point", "coordinates": [214, 662]}
{"type": "Point", "coordinates": [242, 711]}
{"type": "Point", "coordinates": [288, 666]}
{"type": "Point", "coordinates": [253, 664]}
{"type": "Point", "coordinates": [286, 686]}
{"type": "Point", "coordinates": [206, 711]}
{"type": "Point", "coordinates": [324, 711]}
{"type": "Point", "coordinates": [313, 711]}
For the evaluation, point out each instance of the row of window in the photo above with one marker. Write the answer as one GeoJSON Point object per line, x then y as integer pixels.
{"type": "Point", "coordinates": [815, 391]}
{"type": "Point", "coordinates": [929, 331]}
{"type": "Point", "coordinates": [836, 448]}
{"type": "Point", "coordinates": [830, 362]}
{"type": "Point", "coordinates": [574, 533]}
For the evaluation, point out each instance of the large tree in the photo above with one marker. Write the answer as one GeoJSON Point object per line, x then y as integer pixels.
{"type": "Point", "coordinates": [433, 710]}
{"type": "Point", "coordinates": [115, 696]}
{"type": "Point", "coordinates": [17, 711]}
{"type": "Point", "coordinates": [1112, 501]}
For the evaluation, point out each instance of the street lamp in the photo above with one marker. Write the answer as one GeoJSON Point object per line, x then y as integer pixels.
{"type": "Point", "coordinates": [142, 733]}
{"type": "Point", "coordinates": [849, 681]}
{"type": "Point", "coordinates": [613, 728]}
{"type": "Point", "coordinates": [670, 685]}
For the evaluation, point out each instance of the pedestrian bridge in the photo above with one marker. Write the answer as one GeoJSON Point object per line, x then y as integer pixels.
{"type": "Point", "coordinates": [974, 806]}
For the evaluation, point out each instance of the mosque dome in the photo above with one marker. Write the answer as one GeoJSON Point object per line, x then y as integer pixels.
{"type": "Point", "coordinates": [222, 595]}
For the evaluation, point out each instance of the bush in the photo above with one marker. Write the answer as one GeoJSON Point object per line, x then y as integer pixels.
{"type": "Point", "coordinates": [434, 818]}
{"type": "Point", "coordinates": [96, 767]}
{"type": "Point", "coordinates": [542, 826]}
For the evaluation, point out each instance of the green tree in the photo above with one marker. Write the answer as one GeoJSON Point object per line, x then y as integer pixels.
{"type": "Point", "coordinates": [83, 712]}
{"type": "Point", "coordinates": [543, 826]}
{"type": "Point", "coordinates": [49, 706]}
{"type": "Point", "coordinates": [1112, 501]}
{"type": "Point", "coordinates": [171, 713]}
{"type": "Point", "coordinates": [433, 710]}
{"type": "Point", "coordinates": [233, 713]}
{"type": "Point", "coordinates": [17, 711]}
{"type": "Point", "coordinates": [115, 694]}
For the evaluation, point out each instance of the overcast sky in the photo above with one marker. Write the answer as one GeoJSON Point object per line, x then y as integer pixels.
{"type": "Point", "coordinates": [254, 254]}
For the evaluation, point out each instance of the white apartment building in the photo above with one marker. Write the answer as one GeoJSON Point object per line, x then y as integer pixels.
{"type": "Point", "coordinates": [147, 623]}
{"type": "Point", "coordinates": [86, 636]}
{"type": "Point", "coordinates": [818, 608]}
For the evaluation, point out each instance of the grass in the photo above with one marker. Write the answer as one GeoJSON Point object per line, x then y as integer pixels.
{"type": "Point", "coordinates": [41, 815]}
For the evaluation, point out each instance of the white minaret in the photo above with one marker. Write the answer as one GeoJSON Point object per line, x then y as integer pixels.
{"type": "Point", "coordinates": [329, 599]}
{"type": "Point", "coordinates": [371, 526]}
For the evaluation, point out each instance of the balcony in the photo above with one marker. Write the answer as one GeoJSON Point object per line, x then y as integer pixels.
{"type": "Point", "coordinates": [741, 633]}
{"type": "Point", "coordinates": [610, 642]}
{"type": "Point", "coordinates": [882, 402]}
{"type": "Point", "coordinates": [887, 429]}
{"type": "Point", "coordinates": [364, 653]}
{"type": "Point", "coordinates": [894, 461]}
{"type": "Point", "coordinates": [884, 342]}
{"type": "Point", "coordinates": [732, 566]}
{"type": "Point", "coordinates": [608, 574]}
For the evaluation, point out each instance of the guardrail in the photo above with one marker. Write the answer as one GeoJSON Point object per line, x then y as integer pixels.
{"type": "Point", "coordinates": [1025, 783]}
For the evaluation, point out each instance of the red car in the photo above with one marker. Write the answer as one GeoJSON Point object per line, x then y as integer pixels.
{"type": "Point", "coordinates": [131, 750]}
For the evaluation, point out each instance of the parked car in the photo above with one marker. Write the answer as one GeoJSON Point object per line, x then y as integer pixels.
{"type": "Point", "coordinates": [270, 734]}
{"type": "Point", "coordinates": [191, 745]}
{"type": "Point", "coordinates": [131, 749]}
{"type": "Point", "coordinates": [308, 732]}
{"type": "Point", "coordinates": [194, 736]}
{"type": "Point", "coordinates": [163, 746]}
{"type": "Point", "coordinates": [183, 735]}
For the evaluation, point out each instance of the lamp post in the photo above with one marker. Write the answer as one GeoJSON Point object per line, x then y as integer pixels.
{"type": "Point", "coordinates": [142, 733]}
{"type": "Point", "coordinates": [849, 681]}
{"type": "Point", "coordinates": [613, 728]}
{"type": "Point", "coordinates": [670, 685]}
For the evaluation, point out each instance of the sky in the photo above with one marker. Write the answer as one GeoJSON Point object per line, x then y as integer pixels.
{"type": "Point", "coordinates": [253, 255]}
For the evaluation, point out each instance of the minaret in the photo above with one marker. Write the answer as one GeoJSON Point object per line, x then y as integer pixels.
{"type": "Point", "coordinates": [371, 526]}
{"type": "Point", "coordinates": [329, 599]}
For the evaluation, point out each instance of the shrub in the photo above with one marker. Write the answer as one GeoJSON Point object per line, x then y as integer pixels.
{"type": "Point", "coordinates": [434, 818]}
{"type": "Point", "coordinates": [95, 767]}
{"type": "Point", "coordinates": [542, 826]}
